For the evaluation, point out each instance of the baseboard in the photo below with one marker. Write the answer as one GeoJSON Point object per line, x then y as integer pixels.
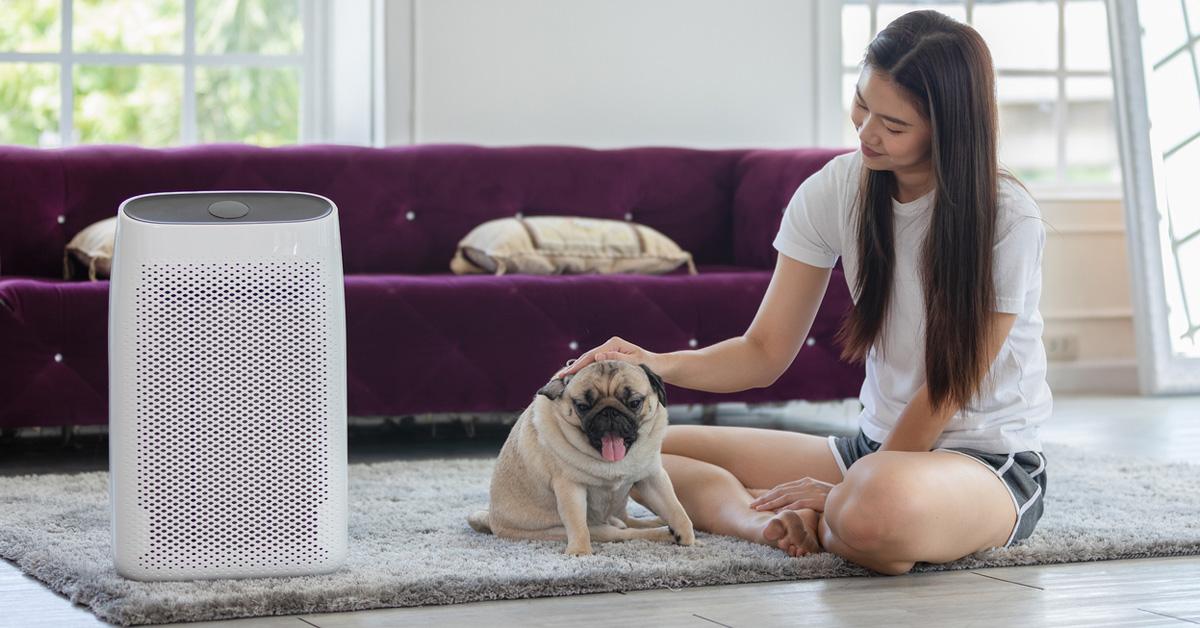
{"type": "Point", "coordinates": [1112, 377]}
{"type": "Point", "coordinates": [1118, 376]}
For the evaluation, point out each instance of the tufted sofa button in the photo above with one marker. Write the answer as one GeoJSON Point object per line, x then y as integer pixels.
{"type": "Point", "coordinates": [574, 346]}
{"type": "Point", "coordinates": [811, 341]}
{"type": "Point", "coordinates": [692, 342]}
{"type": "Point", "coordinates": [411, 215]}
{"type": "Point", "coordinates": [628, 216]}
{"type": "Point", "coordinates": [62, 219]}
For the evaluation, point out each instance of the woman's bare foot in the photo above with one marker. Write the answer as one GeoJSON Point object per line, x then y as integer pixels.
{"type": "Point", "coordinates": [795, 531]}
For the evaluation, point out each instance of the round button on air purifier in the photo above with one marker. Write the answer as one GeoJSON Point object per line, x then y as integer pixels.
{"type": "Point", "coordinates": [228, 209]}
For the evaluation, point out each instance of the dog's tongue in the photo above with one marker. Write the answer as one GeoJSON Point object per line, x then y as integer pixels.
{"type": "Point", "coordinates": [614, 447]}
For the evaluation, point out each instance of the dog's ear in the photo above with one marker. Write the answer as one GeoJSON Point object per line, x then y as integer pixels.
{"type": "Point", "coordinates": [555, 387]}
{"type": "Point", "coordinates": [656, 383]}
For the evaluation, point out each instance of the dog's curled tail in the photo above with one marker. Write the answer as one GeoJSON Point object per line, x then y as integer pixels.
{"type": "Point", "coordinates": [479, 521]}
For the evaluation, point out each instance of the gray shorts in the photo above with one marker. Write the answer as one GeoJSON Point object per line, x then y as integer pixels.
{"type": "Point", "coordinates": [1023, 473]}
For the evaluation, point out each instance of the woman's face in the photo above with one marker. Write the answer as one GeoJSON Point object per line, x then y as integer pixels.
{"type": "Point", "coordinates": [889, 125]}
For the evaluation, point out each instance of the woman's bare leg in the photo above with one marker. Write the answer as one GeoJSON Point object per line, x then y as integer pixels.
{"type": "Point", "coordinates": [882, 515]}
{"type": "Point", "coordinates": [715, 499]}
{"type": "Point", "coordinates": [760, 458]}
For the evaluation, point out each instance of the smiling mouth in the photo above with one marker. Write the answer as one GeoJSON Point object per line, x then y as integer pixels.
{"type": "Point", "coordinates": [869, 152]}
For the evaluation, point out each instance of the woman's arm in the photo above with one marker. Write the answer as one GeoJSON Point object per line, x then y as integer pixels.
{"type": "Point", "coordinates": [758, 357]}
{"type": "Point", "coordinates": [918, 429]}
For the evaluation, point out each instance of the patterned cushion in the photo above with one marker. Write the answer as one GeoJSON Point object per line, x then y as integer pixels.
{"type": "Point", "coordinates": [556, 245]}
{"type": "Point", "coordinates": [92, 247]}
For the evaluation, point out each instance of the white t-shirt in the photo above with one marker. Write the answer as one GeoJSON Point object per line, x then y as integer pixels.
{"type": "Point", "coordinates": [1004, 418]}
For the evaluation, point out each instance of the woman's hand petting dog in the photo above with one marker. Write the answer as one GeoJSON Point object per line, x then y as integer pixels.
{"type": "Point", "coordinates": [615, 348]}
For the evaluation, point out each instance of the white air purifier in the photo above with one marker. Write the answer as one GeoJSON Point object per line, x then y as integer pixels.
{"type": "Point", "coordinates": [227, 386]}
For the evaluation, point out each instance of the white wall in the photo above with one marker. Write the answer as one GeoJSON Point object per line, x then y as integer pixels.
{"type": "Point", "coordinates": [349, 99]}
{"type": "Point", "coordinates": [603, 73]}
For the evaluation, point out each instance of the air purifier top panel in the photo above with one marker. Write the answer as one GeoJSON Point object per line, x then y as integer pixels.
{"type": "Point", "coordinates": [226, 207]}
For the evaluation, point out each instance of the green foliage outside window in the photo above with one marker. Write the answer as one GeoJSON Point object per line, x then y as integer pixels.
{"type": "Point", "coordinates": [254, 105]}
{"type": "Point", "coordinates": [128, 104]}
{"type": "Point", "coordinates": [30, 26]}
{"type": "Point", "coordinates": [29, 103]}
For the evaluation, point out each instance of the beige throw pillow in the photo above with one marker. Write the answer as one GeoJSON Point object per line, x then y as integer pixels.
{"type": "Point", "coordinates": [553, 245]}
{"type": "Point", "coordinates": [93, 247]}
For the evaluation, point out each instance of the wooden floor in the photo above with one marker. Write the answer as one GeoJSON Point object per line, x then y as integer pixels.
{"type": "Point", "coordinates": [1145, 592]}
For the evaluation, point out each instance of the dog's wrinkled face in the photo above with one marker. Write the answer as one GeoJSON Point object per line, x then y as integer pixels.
{"type": "Point", "coordinates": [608, 401]}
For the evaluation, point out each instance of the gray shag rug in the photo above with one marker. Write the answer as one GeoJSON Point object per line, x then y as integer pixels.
{"type": "Point", "coordinates": [410, 544]}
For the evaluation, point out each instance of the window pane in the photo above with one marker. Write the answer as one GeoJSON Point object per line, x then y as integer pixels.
{"type": "Point", "coordinates": [29, 104]}
{"type": "Point", "coordinates": [1165, 20]}
{"type": "Point", "coordinates": [30, 26]}
{"type": "Point", "coordinates": [130, 104]}
{"type": "Point", "coordinates": [252, 105]}
{"type": "Point", "coordinates": [1021, 35]}
{"type": "Point", "coordinates": [856, 32]}
{"type": "Point", "coordinates": [889, 11]}
{"type": "Point", "coordinates": [1183, 203]}
{"type": "Point", "coordinates": [1174, 103]}
{"type": "Point", "coordinates": [1182, 284]}
{"type": "Point", "coordinates": [1086, 35]}
{"type": "Point", "coordinates": [1092, 155]}
{"type": "Point", "coordinates": [1183, 210]}
{"type": "Point", "coordinates": [138, 26]}
{"type": "Point", "coordinates": [262, 26]}
{"type": "Point", "coordinates": [1028, 143]}
{"type": "Point", "coordinates": [849, 133]}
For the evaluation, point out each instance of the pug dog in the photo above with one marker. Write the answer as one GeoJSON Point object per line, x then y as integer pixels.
{"type": "Point", "coordinates": [568, 466]}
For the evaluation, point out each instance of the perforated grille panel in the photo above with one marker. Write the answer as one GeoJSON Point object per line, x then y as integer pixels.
{"type": "Point", "coordinates": [232, 413]}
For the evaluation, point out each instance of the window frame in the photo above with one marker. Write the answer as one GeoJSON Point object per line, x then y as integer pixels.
{"type": "Point", "coordinates": [831, 52]}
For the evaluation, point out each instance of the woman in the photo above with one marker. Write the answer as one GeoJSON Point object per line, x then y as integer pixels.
{"type": "Point", "coordinates": [947, 461]}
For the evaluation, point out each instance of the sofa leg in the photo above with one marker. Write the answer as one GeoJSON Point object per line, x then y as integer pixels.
{"type": "Point", "coordinates": [68, 432]}
{"type": "Point", "coordinates": [708, 415]}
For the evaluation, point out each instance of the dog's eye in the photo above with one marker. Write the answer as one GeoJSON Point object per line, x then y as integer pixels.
{"type": "Point", "coordinates": [581, 407]}
{"type": "Point", "coordinates": [635, 404]}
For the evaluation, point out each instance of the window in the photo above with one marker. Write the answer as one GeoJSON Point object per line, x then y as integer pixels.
{"type": "Point", "coordinates": [1053, 82]}
{"type": "Point", "coordinates": [155, 72]}
{"type": "Point", "coordinates": [1171, 64]}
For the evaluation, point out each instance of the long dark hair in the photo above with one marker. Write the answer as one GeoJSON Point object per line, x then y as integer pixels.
{"type": "Point", "coordinates": [944, 66]}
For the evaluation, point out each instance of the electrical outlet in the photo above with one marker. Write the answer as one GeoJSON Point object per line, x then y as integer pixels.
{"type": "Point", "coordinates": [1062, 347]}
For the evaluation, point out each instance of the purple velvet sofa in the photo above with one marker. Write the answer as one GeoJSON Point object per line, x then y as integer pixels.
{"type": "Point", "coordinates": [465, 343]}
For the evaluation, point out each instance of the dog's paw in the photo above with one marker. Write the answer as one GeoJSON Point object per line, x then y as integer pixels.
{"type": "Point", "coordinates": [685, 536]}
{"type": "Point", "coordinates": [581, 549]}
{"type": "Point", "coordinates": [661, 534]}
